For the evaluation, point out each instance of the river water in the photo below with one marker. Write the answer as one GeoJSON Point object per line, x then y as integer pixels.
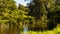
{"type": "Point", "coordinates": [14, 30]}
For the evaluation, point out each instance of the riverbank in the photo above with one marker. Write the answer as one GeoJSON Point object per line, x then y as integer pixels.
{"type": "Point", "coordinates": [54, 31]}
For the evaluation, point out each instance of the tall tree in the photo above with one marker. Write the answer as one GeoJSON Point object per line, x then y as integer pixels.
{"type": "Point", "coordinates": [43, 10]}
{"type": "Point", "coordinates": [9, 13]}
{"type": "Point", "coordinates": [6, 7]}
{"type": "Point", "coordinates": [57, 16]}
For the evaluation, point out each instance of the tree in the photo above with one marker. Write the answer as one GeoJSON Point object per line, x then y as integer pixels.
{"type": "Point", "coordinates": [57, 16]}
{"type": "Point", "coordinates": [23, 8]}
{"type": "Point", "coordinates": [10, 14]}
{"type": "Point", "coordinates": [43, 10]}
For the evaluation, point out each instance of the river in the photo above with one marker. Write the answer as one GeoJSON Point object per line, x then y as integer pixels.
{"type": "Point", "coordinates": [14, 30]}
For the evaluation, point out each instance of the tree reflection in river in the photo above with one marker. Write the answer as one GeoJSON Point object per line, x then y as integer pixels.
{"type": "Point", "coordinates": [11, 30]}
{"type": "Point", "coordinates": [14, 29]}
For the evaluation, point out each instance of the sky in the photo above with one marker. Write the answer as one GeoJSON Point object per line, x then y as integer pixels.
{"type": "Point", "coordinates": [22, 2]}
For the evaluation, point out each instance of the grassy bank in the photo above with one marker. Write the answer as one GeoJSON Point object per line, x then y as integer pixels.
{"type": "Point", "coordinates": [54, 31]}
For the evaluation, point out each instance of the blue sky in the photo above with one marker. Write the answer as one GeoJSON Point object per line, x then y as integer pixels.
{"type": "Point", "coordinates": [22, 2]}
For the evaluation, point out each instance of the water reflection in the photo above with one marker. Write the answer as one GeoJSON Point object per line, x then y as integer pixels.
{"type": "Point", "coordinates": [25, 28]}
{"type": "Point", "coordinates": [14, 30]}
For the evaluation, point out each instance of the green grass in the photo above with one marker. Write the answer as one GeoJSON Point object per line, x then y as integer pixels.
{"type": "Point", "coordinates": [54, 31]}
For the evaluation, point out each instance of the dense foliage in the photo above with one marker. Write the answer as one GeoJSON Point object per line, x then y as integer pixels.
{"type": "Point", "coordinates": [38, 14]}
{"type": "Point", "coordinates": [46, 11]}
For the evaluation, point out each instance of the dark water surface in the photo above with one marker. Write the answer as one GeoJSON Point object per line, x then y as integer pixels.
{"type": "Point", "coordinates": [10, 31]}
{"type": "Point", "coordinates": [13, 30]}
